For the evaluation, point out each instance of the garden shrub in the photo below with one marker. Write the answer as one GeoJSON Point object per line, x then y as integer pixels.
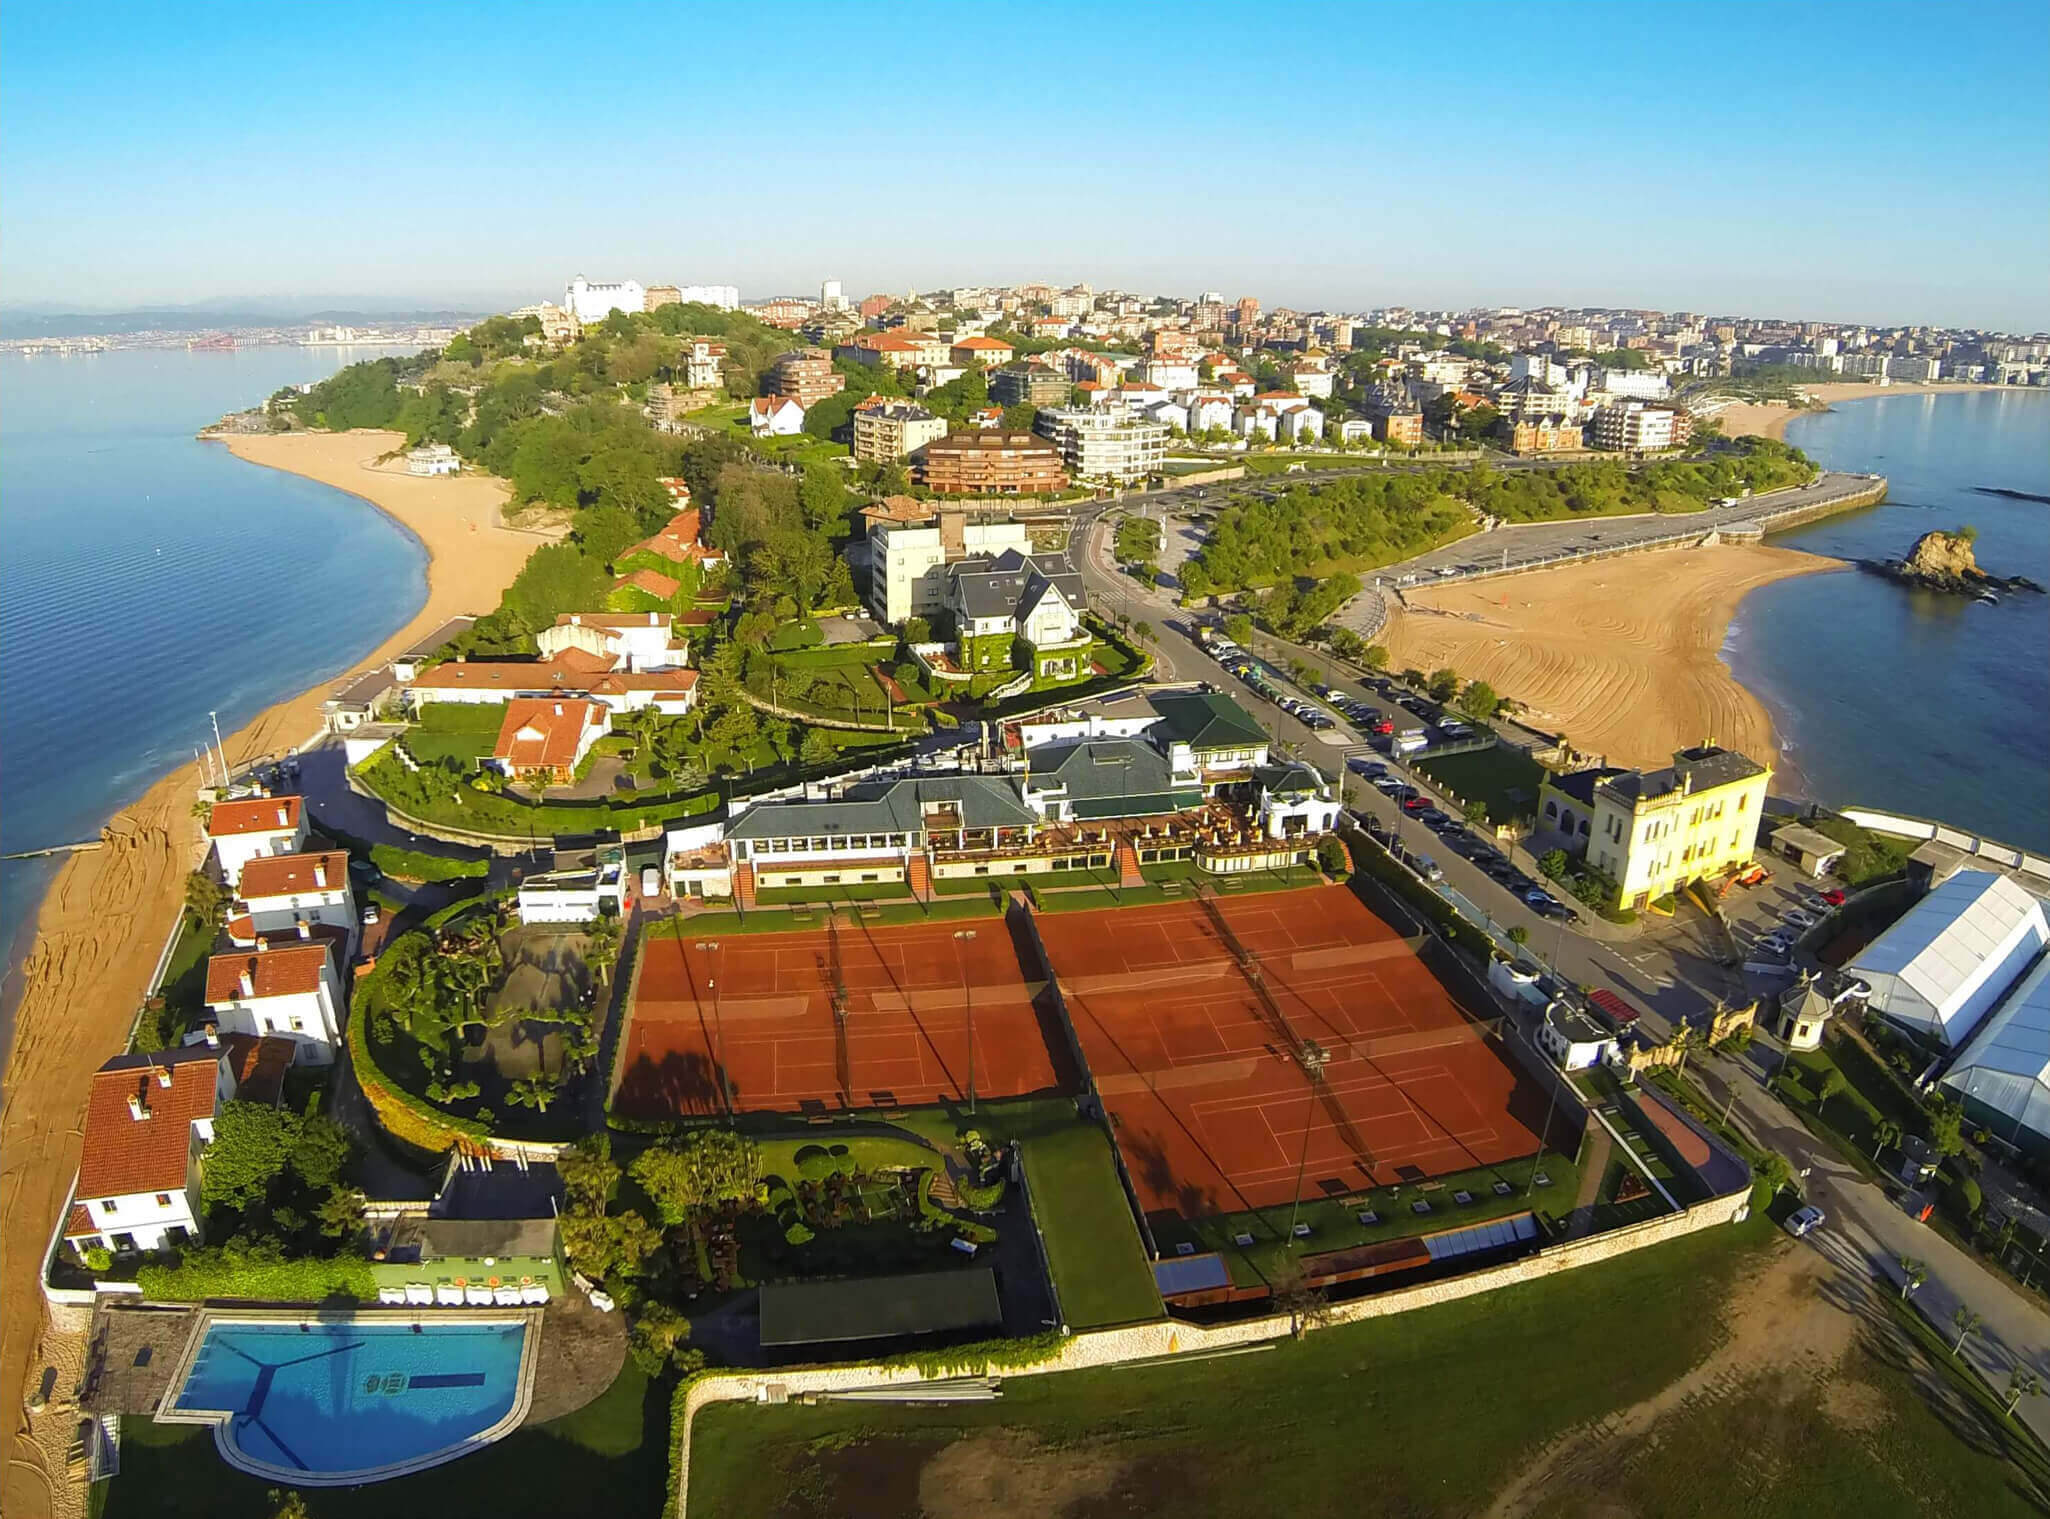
{"type": "Point", "coordinates": [981, 1198]}
{"type": "Point", "coordinates": [815, 1163]}
{"type": "Point", "coordinates": [798, 1234]}
{"type": "Point", "coordinates": [256, 1271]}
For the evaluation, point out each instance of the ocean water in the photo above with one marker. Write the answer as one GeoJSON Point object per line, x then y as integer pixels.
{"type": "Point", "coordinates": [1932, 705]}
{"type": "Point", "coordinates": [147, 579]}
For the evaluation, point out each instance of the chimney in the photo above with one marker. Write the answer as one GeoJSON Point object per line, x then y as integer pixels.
{"type": "Point", "coordinates": [164, 1077]}
{"type": "Point", "coordinates": [137, 1108]}
{"type": "Point", "coordinates": [248, 980]}
{"type": "Point", "coordinates": [284, 817]}
{"type": "Point", "coordinates": [558, 709]}
{"type": "Point", "coordinates": [305, 929]}
{"type": "Point", "coordinates": [213, 1036]}
{"type": "Point", "coordinates": [320, 873]}
{"type": "Point", "coordinates": [576, 619]}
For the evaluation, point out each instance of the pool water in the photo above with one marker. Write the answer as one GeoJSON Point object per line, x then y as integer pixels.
{"type": "Point", "coordinates": [347, 1400]}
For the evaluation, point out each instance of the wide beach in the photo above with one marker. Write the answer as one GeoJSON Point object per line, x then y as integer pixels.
{"type": "Point", "coordinates": [1621, 656]}
{"type": "Point", "coordinates": [105, 918]}
{"type": "Point", "coordinates": [1751, 419]}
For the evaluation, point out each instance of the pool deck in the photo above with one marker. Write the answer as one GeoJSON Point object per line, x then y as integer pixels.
{"type": "Point", "coordinates": [220, 1419]}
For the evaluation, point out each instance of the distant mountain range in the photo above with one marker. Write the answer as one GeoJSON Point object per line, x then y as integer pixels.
{"type": "Point", "coordinates": [28, 322]}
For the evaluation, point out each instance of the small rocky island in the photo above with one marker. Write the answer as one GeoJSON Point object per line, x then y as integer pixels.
{"type": "Point", "coordinates": [1944, 562]}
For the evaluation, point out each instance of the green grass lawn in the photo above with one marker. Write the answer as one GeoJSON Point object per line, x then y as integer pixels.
{"type": "Point", "coordinates": [616, 1446]}
{"type": "Point", "coordinates": [1870, 1094]}
{"type": "Point", "coordinates": [1505, 780]}
{"type": "Point", "coordinates": [791, 920]}
{"type": "Point", "coordinates": [1100, 1270]}
{"type": "Point", "coordinates": [184, 983]}
{"type": "Point", "coordinates": [455, 730]}
{"type": "Point", "coordinates": [1335, 1224]}
{"type": "Point", "coordinates": [1424, 1414]}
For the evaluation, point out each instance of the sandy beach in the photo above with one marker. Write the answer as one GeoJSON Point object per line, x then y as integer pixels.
{"type": "Point", "coordinates": [1619, 655]}
{"type": "Point", "coordinates": [1747, 419]}
{"type": "Point", "coordinates": [105, 918]}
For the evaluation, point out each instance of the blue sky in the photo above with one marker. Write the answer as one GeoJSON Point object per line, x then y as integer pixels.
{"type": "Point", "coordinates": [1884, 163]}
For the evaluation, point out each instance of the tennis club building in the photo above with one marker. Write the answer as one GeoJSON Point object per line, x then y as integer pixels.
{"type": "Point", "coordinates": [1952, 956]}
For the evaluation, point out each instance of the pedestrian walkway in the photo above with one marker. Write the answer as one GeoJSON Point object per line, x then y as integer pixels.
{"type": "Point", "coordinates": [1594, 1167]}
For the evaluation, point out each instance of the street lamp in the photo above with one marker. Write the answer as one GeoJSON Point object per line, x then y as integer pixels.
{"type": "Point", "coordinates": [709, 947]}
{"type": "Point", "coordinates": [961, 936]}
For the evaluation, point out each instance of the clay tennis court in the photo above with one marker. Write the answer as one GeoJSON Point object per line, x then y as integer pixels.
{"type": "Point", "coordinates": [1209, 1102]}
{"type": "Point", "coordinates": [762, 1006]}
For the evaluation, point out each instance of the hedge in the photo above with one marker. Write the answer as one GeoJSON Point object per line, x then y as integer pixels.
{"type": "Point", "coordinates": [933, 1213]}
{"type": "Point", "coordinates": [409, 1119]}
{"type": "Point", "coordinates": [213, 1273]}
{"type": "Point", "coordinates": [417, 865]}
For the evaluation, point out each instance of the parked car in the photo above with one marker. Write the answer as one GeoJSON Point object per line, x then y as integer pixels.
{"type": "Point", "coordinates": [1431, 817]}
{"type": "Point", "coordinates": [1800, 917]}
{"type": "Point", "coordinates": [1427, 867]}
{"type": "Point", "coordinates": [1414, 803]}
{"type": "Point", "coordinates": [1551, 907]}
{"type": "Point", "coordinates": [1803, 1221]}
{"type": "Point", "coordinates": [1834, 897]}
{"type": "Point", "coordinates": [651, 881]}
{"type": "Point", "coordinates": [1366, 767]}
{"type": "Point", "coordinates": [370, 914]}
{"type": "Point", "coordinates": [1387, 784]}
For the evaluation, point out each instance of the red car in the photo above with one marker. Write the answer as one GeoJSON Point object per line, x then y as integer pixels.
{"type": "Point", "coordinates": [1415, 803]}
{"type": "Point", "coordinates": [1834, 896]}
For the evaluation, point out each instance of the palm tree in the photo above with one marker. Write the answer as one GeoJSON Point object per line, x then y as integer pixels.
{"type": "Point", "coordinates": [1965, 1321]}
{"type": "Point", "coordinates": [1833, 1085]}
{"type": "Point", "coordinates": [1685, 1038]}
{"type": "Point", "coordinates": [1886, 1135]}
{"type": "Point", "coordinates": [536, 1091]}
{"type": "Point", "coordinates": [2022, 1383]}
{"type": "Point", "coordinates": [1913, 1275]}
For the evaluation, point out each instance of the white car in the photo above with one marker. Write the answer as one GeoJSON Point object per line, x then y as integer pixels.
{"type": "Point", "coordinates": [1800, 917]}
{"type": "Point", "coordinates": [1804, 1221]}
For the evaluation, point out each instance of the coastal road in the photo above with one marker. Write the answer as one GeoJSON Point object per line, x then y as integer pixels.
{"type": "Point", "coordinates": [1867, 1231]}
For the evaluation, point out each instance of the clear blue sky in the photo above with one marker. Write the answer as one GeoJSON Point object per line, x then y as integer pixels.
{"type": "Point", "coordinates": [1883, 163]}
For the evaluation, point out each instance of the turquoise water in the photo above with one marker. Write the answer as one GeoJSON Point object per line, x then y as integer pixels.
{"type": "Point", "coordinates": [335, 1398]}
{"type": "Point", "coordinates": [147, 578]}
{"type": "Point", "coordinates": [1933, 705]}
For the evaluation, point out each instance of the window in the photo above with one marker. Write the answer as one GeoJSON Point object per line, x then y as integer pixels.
{"type": "Point", "coordinates": [163, 1199]}
{"type": "Point", "coordinates": [109, 1205]}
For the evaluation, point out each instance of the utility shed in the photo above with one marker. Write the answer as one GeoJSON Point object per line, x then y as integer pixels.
{"type": "Point", "coordinates": [2003, 1077]}
{"type": "Point", "coordinates": [1953, 955]}
{"type": "Point", "coordinates": [879, 1307]}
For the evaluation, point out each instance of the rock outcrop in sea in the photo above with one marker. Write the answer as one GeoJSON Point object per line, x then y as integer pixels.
{"type": "Point", "coordinates": [1945, 562]}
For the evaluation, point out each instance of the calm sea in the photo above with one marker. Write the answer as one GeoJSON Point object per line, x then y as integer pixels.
{"type": "Point", "coordinates": [1933, 705]}
{"type": "Point", "coordinates": [147, 579]}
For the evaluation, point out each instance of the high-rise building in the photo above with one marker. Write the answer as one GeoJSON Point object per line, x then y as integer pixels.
{"type": "Point", "coordinates": [589, 302]}
{"type": "Point", "coordinates": [830, 297]}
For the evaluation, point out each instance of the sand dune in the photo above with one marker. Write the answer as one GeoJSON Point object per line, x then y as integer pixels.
{"type": "Point", "coordinates": [1619, 655]}
{"type": "Point", "coordinates": [104, 921]}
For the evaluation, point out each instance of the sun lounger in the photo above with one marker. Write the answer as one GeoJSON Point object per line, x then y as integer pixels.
{"type": "Point", "coordinates": [506, 1297]}
{"type": "Point", "coordinates": [448, 1297]}
{"type": "Point", "coordinates": [391, 1296]}
{"type": "Point", "coordinates": [537, 1293]}
{"type": "Point", "coordinates": [419, 1292]}
{"type": "Point", "coordinates": [477, 1297]}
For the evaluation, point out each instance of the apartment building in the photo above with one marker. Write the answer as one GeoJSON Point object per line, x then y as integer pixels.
{"type": "Point", "coordinates": [1104, 443]}
{"type": "Point", "coordinates": [1635, 427]}
{"type": "Point", "coordinates": [1029, 385]}
{"type": "Point", "coordinates": [890, 430]}
{"type": "Point", "coordinates": [1545, 435]}
{"type": "Point", "coordinates": [989, 352]}
{"type": "Point", "coordinates": [703, 360]}
{"type": "Point", "coordinates": [1653, 831]}
{"type": "Point", "coordinates": [593, 302]}
{"type": "Point", "coordinates": [907, 559]}
{"type": "Point", "coordinates": [990, 463]}
{"type": "Point", "coordinates": [806, 376]}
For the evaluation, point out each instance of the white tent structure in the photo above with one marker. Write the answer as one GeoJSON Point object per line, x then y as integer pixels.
{"type": "Point", "coordinates": [1950, 958]}
{"type": "Point", "coordinates": [2003, 1077]}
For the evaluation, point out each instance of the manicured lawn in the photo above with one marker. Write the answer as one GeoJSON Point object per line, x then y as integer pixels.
{"type": "Point", "coordinates": [1432, 1413]}
{"type": "Point", "coordinates": [184, 983]}
{"type": "Point", "coordinates": [455, 730]}
{"type": "Point", "coordinates": [1505, 780]}
{"type": "Point", "coordinates": [1335, 1225]}
{"type": "Point", "coordinates": [1100, 1270]}
{"type": "Point", "coordinates": [616, 1446]}
{"type": "Point", "coordinates": [1869, 1095]}
{"type": "Point", "coordinates": [787, 920]}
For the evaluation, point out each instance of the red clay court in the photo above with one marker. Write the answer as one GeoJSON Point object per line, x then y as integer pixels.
{"type": "Point", "coordinates": [1206, 1096]}
{"type": "Point", "coordinates": [905, 1039]}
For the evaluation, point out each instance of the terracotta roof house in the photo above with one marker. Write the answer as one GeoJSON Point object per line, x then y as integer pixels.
{"type": "Point", "coordinates": [147, 1119]}
{"type": "Point", "coordinates": [292, 992]}
{"type": "Point", "coordinates": [241, 830]}
{"type": "Point", "coordinates": [545, 740]}
{"type": "Point", "coordinates": [282, 892]}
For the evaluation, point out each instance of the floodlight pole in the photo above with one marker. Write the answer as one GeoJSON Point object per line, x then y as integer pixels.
{"type": "Point", "coordinates": [962, 935]}
{"type": "Point", "coordinates": [709, 947]}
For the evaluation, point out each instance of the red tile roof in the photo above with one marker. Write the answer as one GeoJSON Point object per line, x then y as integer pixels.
{"type": "Point", "coordinates": [677, 542]}
{"type": "Point", "coordinates": [283, 875]}
{"type": "Point", "coordinates": [571, 670]}
{"type": "Point", "coordinates": [258, 1065]}
{"type": "Point", "coordinates": [256, 814]}
{"type": "Point", "coordinates": [287, 972]}
{"type": "Point", "coordinates": [78, 1222]}
{"type": "Point", "coordinates": [612, 619]}
{"type": "Point", "coordinates": [543, 734]}
{"type": "Point", "coordinates": [983, 344]}
{"type": "Point", "coordinates": [653, 583]}
{"type": "Point", "coordinates": [124, 1154]}
{"type": "Point", "coordinates": [677, 681]}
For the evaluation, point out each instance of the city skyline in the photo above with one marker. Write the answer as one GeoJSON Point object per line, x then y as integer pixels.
{"type": "Point", "coordinates": [1663, 161]}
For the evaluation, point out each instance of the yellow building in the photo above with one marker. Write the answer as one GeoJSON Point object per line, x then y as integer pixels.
{"type": "Point", "coordinates": [1653, 831]}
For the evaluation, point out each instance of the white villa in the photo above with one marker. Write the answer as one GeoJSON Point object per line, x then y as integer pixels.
{"type": "Point", "coordinates": [243, 830]}
{"type": "Point", "coordinates": [291, 992]}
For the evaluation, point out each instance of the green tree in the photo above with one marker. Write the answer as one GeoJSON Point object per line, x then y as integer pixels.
{"type": "Point", "coordinates": [1443, 684]}
{"type": "Point", "coordinates": [818, 748]}
{"type": "Point", "coordinates": [698, 1170]}
{"type": "Point", "coordinates": [1518, 934]}
{"type": "Point", "coordinates": [609, 1246]}
{"type": "Point", "coordinates": [1966, 1322]}
{"type": "Point", "coordinates": [1886, 1135]}
{"type": "Point", "coordinates": [206, 900]}
{"type": "Point", "coordinates": [1479, 700]}
{"type": "Point", "coordinates": [1332, 858]}
{"type": "Point", "coordinates": [589, 1174]}
{"type": "Point", "coordinates": [1773, 1172]}
{"type": "Point", "coordinates": [1833, 1085]}
{"type": "Point", "coordinates": [251, 1147]}
{"type": "Point", "coordinates": [340, 1213]}
{"type": "Point", "coordinates": [1946, 1125]}
{"type": "Point", "coordinates": [537, 1091]}
{"type": "Point", "coordinates": [1913, 1275]}
{"type": "Point", "coordinates": [1238, 627]}
{"type": "Point", "coordinates": [1553, 864]}
{"type": "Point", "coordinates": [1475, 812]}
{"type": "Point", "coordinates": [1376, 657]}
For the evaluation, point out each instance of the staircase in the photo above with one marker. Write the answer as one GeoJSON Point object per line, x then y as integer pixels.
{"type": "Point", "coordinates": [1129, 873]}
{"type": "Point", "coordinates": [918, 875]}
{"type": "Point", "coordinates": [744, 886]}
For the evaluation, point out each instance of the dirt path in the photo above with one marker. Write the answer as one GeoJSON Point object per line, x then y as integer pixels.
{"type": "Point", "coordinates": [1776, 1322]}
{"type": "Point", "coordinates": [1594, 1167]}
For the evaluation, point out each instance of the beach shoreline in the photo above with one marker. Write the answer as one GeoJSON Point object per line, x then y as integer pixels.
{"type": "Point", "coordinates": [104, 916]}
{"type": "Point", "coordinates": [1623, 657]}
{"type": "Point", "coordinates": [1752, 419]}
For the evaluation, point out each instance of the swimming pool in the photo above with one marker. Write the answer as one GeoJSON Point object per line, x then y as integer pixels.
{"type": "Point", "coordinates": [329, 1401]}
